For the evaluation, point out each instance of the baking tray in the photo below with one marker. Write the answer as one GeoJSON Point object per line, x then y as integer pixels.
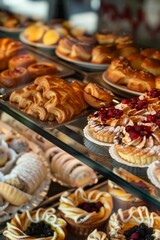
{"type": "Point", "coordinates": [64, 70]}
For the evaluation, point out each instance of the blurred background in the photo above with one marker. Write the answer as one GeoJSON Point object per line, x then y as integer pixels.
{"type": "Point", "coordinates": [140, 18]}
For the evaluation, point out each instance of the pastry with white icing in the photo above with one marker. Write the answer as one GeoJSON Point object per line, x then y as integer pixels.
{"type": "Point", "coordinates": [38, 224]}
{"type": "Point", "coordinates": [97, 235]}
{"type": "Point", "coordinates": [85, 210]}
{"type": "Point", "coordinates": [24, 179]}
{"type": "Point", "coordinates": [126, 223]}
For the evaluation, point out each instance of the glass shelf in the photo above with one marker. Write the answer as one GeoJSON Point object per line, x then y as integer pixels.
{"type": "Point", "coordinates": [70, 138]}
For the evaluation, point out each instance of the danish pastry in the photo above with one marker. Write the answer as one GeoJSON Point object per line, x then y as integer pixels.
{"type": "Point", "coordinates": [133, 223]}
{"type": "Point", "coordinates": [97, 96]}
{"type": "Point", "coordinates": [41, 68]}
{"type": "Point", "coordinates": [85, 210]}
{"type": "Point", "coordinates": [102, 54]}
{"type": "Point", "coordinates": [38, 224]}
{"type": "Point", "coordinates": [151, 65]}
{"type": "Point", "coordinates": [81, 51]}
{"type": "Point", "coordinates": [21, 61]}
{"type": "Point", "coordinates": [97, 235]}
{"type": "Point", "coordinates": [13, 77]}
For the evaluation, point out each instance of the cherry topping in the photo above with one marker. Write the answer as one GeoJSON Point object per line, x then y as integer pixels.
{"type": "Point", "coordinates": [138, 131]}
{"type": "Point", "coordinates": [108, 113]}
{"type": "Point", "coordinates": [155, 93]}
{"type": "Point", "coordinates": [136, 103]}
{"type": "Point", "coordinates": [90, 206]}
{"type": "Point", "coordinates": [154, 118]}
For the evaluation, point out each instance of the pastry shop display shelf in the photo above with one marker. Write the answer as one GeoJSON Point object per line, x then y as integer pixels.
{"type": "Point", "coordinates": [70, 138]}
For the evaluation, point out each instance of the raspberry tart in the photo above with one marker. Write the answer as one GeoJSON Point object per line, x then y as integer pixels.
{"type": "Point", "coordinates": [38, 224]}
{"type": "Point", "coordinates": [85, 210]}
{"type": "Point", "coordinates": [139, 144]}
{"type": "Point", "coordinates": [105, 123]}
{"type": "Point", "coordinates": [134, 224]}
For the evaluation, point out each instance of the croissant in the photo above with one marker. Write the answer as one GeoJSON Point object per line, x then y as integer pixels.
{"type": "Point", "coordinates": [37, 111]}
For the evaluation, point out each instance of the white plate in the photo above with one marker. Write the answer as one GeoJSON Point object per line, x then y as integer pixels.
{"type": "Point", "coordinates": [119, 88]}
{"type": "Point", "coordinates": [151, 174]}
{"type": "Point", "coordinates": [88, 65]}
{"type": "Point", "coordinates": [34, 44]}
{"type": "Point", "coordinates": [90, 137]}
{"type": "Point", "coordinates": [115, 156]}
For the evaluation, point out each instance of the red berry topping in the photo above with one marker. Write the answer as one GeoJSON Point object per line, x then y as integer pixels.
{"type": "Point", "coordinates": [91, 206]}
{"type": "Point", "coordinates": [155, 93]}
{"type": "Point", "coordinates": [125, 101]}
{"type": "Point", "coordinates": [151, 118]}
{"type": "Point", "coordinates": [138, 131]}
{"type": "Point", "coordinates": [108, 113]}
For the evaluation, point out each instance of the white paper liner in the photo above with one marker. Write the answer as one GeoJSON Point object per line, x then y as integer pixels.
{"type": "Point", "coordinates": [90, 137]}
{"type": "Point", "coordinates": [151, 174]}
{"type": "Point", "coordinates": [116, 157]}
{"type": "Point", "coordinates": [12, 157]}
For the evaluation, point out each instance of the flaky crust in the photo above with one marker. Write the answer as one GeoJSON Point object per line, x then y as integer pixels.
{"type": "Point", "coordinates": [96, 96]}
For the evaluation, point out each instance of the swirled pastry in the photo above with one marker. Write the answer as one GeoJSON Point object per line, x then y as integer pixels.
{"type": "Point", "coordinates": [97, 235]}
{"type": "Point", "coordinates": [65, 45]}
{"type": "Point", "coordinates": [85, 210]}
{"type": "Point", "coordinates": [97, 96]}
{"type": "Point", "coordinates": [133, 223]}
{"type": "Point", "coordinates": [37, 224]}
{"type": "Point", "coordinates": [68, 170]}
{"type": "Point", "coordinates": [102, 54]}
{"type": "Point", "coordinates": [81, 51]}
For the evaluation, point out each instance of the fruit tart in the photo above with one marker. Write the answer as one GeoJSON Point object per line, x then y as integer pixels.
{"type": "Point", "coordinates": [106, 122]}
{"type": "Point", "coordinates": [37, 224]}
{"type": "Point", "coordinates": [134, 224]}
{"type": "Point", "coordinates": [85, 210]}
{"type": "Point", "coordinates": [139, 144]}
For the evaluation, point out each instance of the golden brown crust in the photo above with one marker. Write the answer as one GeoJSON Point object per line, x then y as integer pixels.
{"type": "Point", "coordinates": [97, 96]}
{"type": "Point", "coordinates": [14, 77]}
{"type": "Point", "coordinates": [151, 65]}
{"type": "Point", "coordinates": [21, 61]}
{"type": "Point", "coordinates": [151, 53]}
{"type": "Point", "coordinates": [102, 54]}
{"type": "Point", "coordinates": [81, 52]}
{"type": "Point", "coordinates": [51, 37]}
{"type": "Point", "coordinates": [41, 68]}
{"type": "Point", "coordinates": [105, 38]}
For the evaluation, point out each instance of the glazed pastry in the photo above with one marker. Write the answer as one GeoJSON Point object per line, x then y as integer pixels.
{"type": "Point", "coordinates": [87, 39]}
{"type": "Point", "coordinates": [151, 65]}
{"type": "Point", "coordinates": [136, 60]}
{"type": "Point", "coordinates": [65, 45]}
{"type": "Point", "coordinates": [13, 48]}
{"type": "Point", "coordinates": [151, 53]}
{"type": "Point", "coordinates": [126, 51]}
{"type": "Point", "coordinates": [97, 96]}
{"type": "Point", "coordinates": [37, 224]}
{"type": "Point", "coordinates": [13, 77]}
{"type": "Point", "coordinates": [51, 37]}
{"type": "Point", "coordinates": [97, 235]}
{"type": "Point", "coordinates": [68, 170]}
{"type": "Point", "coordinates": [4, 61]}
{"type": "Point", "coordinates": [35, 32]}
{"type": "Point", "coordinates": [21, 61]}
{"type": "Point", "coordinates": [81, 51]}
{"type": "Point", "coordinates": [139, 144]}
{"type": "Point", "coordinates": [102, 54]}
{"type": "Point", "coordinates": [125, 200]}
{"type": "Point", "coordinates": [85, 210]}
{"type": "Point", "coordinates": [133, 223]}
{"type": "Point", "coordinates": [121, 72]}
{"type": "Point", "coordinates": [105, 123]}
{"type": "Point", "coordinates": [106, 37]}
{"type": "Point", "coordinates": [41, 68]}
{"type": "Point", "coordinates": [24, 179]}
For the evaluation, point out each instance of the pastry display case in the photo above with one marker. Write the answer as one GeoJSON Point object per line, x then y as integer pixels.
{"type": "Point", "coordinates": [84, 126]}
